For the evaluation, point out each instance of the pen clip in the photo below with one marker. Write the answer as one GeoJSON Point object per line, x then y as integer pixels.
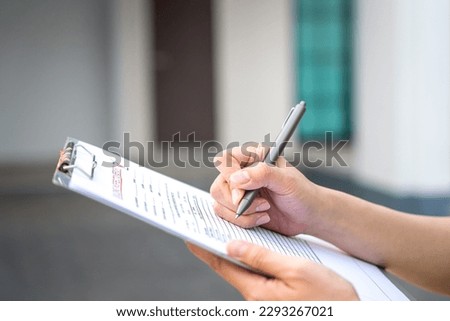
{"type": "Point", "coordinates": [287, 117]}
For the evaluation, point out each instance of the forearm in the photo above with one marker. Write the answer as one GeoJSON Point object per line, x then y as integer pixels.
{"type": "Point", "coordinates": [416, 248]}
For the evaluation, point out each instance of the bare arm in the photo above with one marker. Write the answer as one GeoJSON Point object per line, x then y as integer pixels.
{"type": "Point", "coordinates": [413, 247]}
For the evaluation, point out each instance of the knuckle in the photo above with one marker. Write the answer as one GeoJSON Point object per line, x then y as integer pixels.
{"type": "Point", "coordinates": [214, 190]}
{"type": "Point", "coordinates": [248, 151]}
{"type": "Point", "coordinates": [262, 173]}
{"type": "Point", "coordinates": [217, 188]}
{"type": "Point", "coordinates": [265, 169]}
{"type": "Point", "coordinates": [248, 222]}
{"type": "Point", "coordinates": [218, 209]}
{"type": "Point", "coordinates": [223, 212]}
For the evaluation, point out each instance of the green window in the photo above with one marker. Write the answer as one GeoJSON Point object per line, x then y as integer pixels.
{"type": "Point", "coordinates": [324, 34]}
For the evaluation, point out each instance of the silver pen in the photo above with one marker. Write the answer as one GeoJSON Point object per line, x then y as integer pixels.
{"type": "Point", "coordinates": [287, 129]}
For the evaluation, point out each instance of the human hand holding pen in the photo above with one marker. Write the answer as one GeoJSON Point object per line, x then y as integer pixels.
{"type": "Point", "coordinates": [287, 202]}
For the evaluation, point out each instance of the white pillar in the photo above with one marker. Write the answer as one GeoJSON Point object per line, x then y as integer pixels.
{"type": "Point", "coordinates": [402, 101]}
{"type": "Point", "coordinates": [131, 63]}
{"type": "Point", "coordinates": [253, 46]}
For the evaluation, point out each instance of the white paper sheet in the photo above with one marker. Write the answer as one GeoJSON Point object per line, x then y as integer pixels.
{"type": "Point", "coordinates": [186, 212]}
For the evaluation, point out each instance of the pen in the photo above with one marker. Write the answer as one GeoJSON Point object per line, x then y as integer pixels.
{"type": "Point", "coordinates": [287, 129]}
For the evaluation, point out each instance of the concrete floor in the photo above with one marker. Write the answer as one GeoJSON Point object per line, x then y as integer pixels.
{"type": "Point", "coordinates": [65, 247]}
{"type": "Point", "coordinates": [56, 245]}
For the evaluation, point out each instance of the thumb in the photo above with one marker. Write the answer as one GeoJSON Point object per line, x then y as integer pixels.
{"type": "Point", "coordinates": [258, 258]}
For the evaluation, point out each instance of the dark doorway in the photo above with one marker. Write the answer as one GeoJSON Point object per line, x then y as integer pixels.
{"type": "Point", "coordinates": [183, 63]}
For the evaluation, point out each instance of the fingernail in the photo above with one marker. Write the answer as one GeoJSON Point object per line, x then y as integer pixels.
{"type": "Point", "coordinates": [235, 196]}
{"type": "Point", "coordinates": [240, 177]}
{"type": "Point", "coordinates": [262, 207]}
{"type": "Point", "coordinates": [237, 248]}
{"type": "Point", "coordinates": [263, 220]}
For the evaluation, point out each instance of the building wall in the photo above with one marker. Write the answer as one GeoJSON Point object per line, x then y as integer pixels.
{"type": "Point", "coordinates": [253, 67]}
{"type": "Point", "coordinates": [54, 76]}
{"type": "Point", "coordinates": [402, 97]}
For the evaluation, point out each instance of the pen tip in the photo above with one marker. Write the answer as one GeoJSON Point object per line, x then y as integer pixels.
{"type": "Point", "coordinates": [237, 216]}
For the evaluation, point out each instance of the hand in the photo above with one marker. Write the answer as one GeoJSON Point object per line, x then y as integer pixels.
{"type": "Point", "coordinates": [288, 202]}
{"type": "Point", "coordinates": [292, 278]}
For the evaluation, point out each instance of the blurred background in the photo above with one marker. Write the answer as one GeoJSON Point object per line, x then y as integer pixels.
{"type": "Point", "coordinates": [373, 72]}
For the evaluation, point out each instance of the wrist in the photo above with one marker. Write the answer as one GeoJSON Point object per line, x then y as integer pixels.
{"type": "Point", "coordinates": [321, 212]}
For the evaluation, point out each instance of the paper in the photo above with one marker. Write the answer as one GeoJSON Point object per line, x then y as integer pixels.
{"type": "Point", "coordinates": [186, 212]}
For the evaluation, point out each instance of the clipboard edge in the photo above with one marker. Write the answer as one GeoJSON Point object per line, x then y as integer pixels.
{"type": "Point", "coordinates": [60, 178]}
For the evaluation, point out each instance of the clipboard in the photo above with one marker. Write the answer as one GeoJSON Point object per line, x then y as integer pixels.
{"type": "Point", "coordinates": [79, 160]}
{"type": "Point", "coordinates": [66, 163]}
{"type": "Point", "coordinates": [187, 213]}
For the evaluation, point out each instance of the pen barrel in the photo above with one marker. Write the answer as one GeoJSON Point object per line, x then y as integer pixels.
{"type": "Point", "coordinates": [274, 152]}
{"type": "Point", "coordinates": [285, 134]}
{"type": "Point", "coordinates": [288, 128]}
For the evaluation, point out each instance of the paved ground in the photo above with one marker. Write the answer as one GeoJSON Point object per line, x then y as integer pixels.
{"type": "Point", "coordinates": [65, 247]}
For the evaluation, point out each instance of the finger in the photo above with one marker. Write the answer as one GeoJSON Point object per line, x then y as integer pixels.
{"type": "Point", "coordinates": [201, 253]}
{"type": "Point", "coordinates": [245, 281]}
{"type": "Point", "coordinates": [232, 160]}
{"type": "Point", "coordinates": [226, 164]}
{"type": "Point", "coordinates": [262, 175]}
{"type": "Point", "coordinates": [255, 215]}
{"type": "Point", "coordinates": [259, 258]}
{"type": "Point", "coordinates": [248, 220]}
{"type": "Point", "coordinates": [227, 211]}
{"type": "Point", "coordinates": [221, 192]}
{"type": "Point", "coordinates": [218, 264]}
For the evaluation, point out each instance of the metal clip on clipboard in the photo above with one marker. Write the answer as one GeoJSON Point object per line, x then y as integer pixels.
{"type": "Point", "coordinates": [67, 159]}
